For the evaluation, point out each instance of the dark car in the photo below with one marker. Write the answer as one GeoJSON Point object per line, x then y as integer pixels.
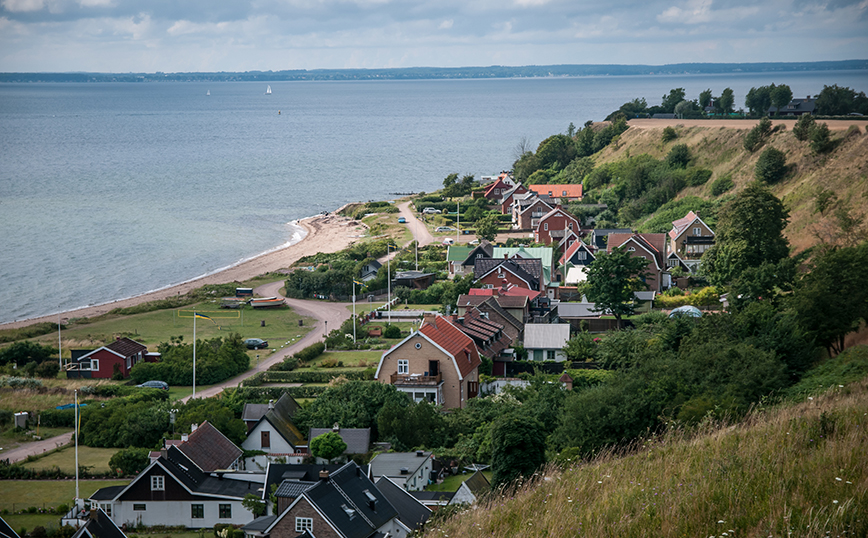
{"type": "Point", "coordinates": [256, 343]}
{"type": "Point", "coordinates": [154, 385]}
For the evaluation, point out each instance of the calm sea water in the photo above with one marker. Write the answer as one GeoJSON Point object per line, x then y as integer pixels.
{"type": "Point", "coordinates": [111, 190]}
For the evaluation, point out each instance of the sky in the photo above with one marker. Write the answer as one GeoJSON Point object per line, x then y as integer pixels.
{"type": "Point", "coordinates": [243, 35]}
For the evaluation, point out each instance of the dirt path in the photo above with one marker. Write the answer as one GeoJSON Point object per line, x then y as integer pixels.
{"type": "Point", "coordinates": [326, 314]}
{"type": "Point", "coordinates": [417, 227]}
{"type": "Point", "coordinates": [33, 449]}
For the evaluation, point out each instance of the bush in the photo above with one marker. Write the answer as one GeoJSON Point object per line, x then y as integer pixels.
{"type": "Point", "coordinates": [804, 127]}
{"type": "Point", "coordinates": [678, 156]}
{"type": "Point", "coordinates": [722, 185]}
{"type": "Point", "coordinates": [48, 370]}
{"type": "Point", "coordinates": [57, 418]}
{"type": "Point", "coordinates": [669, 134]}
{"type": "Point", "coordinates": [758, 135]}
{"type": "Point", "coordinates": [698, 176]}
{"type": "Point", "coordinates": [392, 331]}
{"type": "Point", "coordinates": [771, 166]}
{"type": "Point", "coordinates": [821, 139]}
{"type": "Point", "coordinates": [310, 352]}
{"type": "Point", "coordinates": [130, 461]}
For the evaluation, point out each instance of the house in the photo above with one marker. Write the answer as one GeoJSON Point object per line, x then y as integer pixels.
{"type": "Point", "coordinates": [578, 254]}
{"type": "Point", "coordinates": [546, 341]}
{"type": "Point", "coordinates": [555, 225]}
{"type": "Point", "coordinates": [413, 279]}
{"type": "Point", "coordinates": [6, 531]}
{"type": "Point", "coordinates": [515, 306]}
{"type": "Point", "coordinates": [98, 525]}
{"type": "Point", "coordinates": [471, 489]}
{"type": "Point", "coordinates": [462, 259]}
{"type": "Point", "coordinates": [599, 237]}
{"type": "Point", "coordinates": [528, 209]}
{"type": "Point", "coordinates": [509, 197]}
{"type": "Point", "coordinates": [342, 504]}
{"type": "Point", "coordinates": [544, 254]}
{"type": "Point", "coordinates": [275, 434]}
{"type": "Point", "coordinates": [438, 363]}
{"type": "Point", "coordinates": [495, 272]}
{"type": "Point", "coordinates": [209, 449]}
{"type": "Point", "coordinates": [121, 355]}
{"type": "Point", "coordinates": [576, 313]}
{"type": "Point", "coordinates": [174, 491]}
{"type": "Point", "coordinates": [490, 338]}
{"type": "Point", "coordinates": [494, 191]}
{"type": "Point", "coordinates": [652, 247]}
{"type": "Point", "coordinates": [358, 440]}
{"type": "Point", "coordinates": [689, 238]}
{"type": "Point", "coordinates": [796, 107]}
{"type": "Point", "coordinates": [294, 475]}
{"type": "Point", "coordinates": [409, 470]}
{"type": "Point", "coordinates": [369, 270]}
{"type": "Point", "coordinates": [570, 193]}
{"type": "Point", "coordinates": [411, 511]}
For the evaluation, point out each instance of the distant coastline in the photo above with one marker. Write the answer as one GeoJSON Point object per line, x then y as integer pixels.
{"type": "Point", "coordinates": [424, 73]}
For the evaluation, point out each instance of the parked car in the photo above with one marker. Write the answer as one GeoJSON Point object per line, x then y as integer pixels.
{"type": "Point", "coordinates": [256, 343]}
{"type": "Point", "coordinates": [474, 242]}
{"type": "Point", "coordinates": [154, 385]}
{"type": "Point", "coordinates": [444, 229]}
{"type": "Point", "coordinates": [448, 241]}
{"type": "Point", "coordinates": [402, 220]}
{"type": "Point", "coordinates": [431, 211]}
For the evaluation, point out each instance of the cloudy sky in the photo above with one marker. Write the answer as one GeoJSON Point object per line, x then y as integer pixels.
{"type": "Point", "coordinates": [242, 35]}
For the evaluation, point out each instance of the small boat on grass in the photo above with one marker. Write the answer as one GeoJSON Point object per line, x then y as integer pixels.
{"type": "Point", "coordinates": [266, 302]}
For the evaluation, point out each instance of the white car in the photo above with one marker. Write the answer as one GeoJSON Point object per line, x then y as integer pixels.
{"type": "Point", "coordinates": [444, 229]}
{"type": "Point", "coordinates": [448, 241]}
{"type": "Point", "coordinates": [431, 211]}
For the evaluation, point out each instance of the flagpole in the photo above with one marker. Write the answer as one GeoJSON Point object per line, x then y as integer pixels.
{"type": "Point", "coordinates": [389, 280]}
{"type": "Point", "coordinates": [354, 310]}
{"type": "Point", "coordinates": [59, 345]}
{"type": "Point", "coordinates": [76, 446]}
{"type": "Point", "coordinates": [194, 354]}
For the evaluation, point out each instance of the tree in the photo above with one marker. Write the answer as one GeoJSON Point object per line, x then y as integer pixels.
{"type": "Point", "coordinates": [669, 134]}
{"type": "Point", "coordinates": [749, 232]}
{"type": "Point", "coordinates": [473, 214]}
{"type": "Point", "coordinates": [804, 127]}
{"type": "Point", "coordinates": [838, 101]}
{"type": "Point", "coordinates": [328, 446]}
{"type": "Point", "coordinates": [129, 461]}
{"type": "Point", "coordinates": [821, 139]}
{"type": "Point", "coordinates": [771, 166]}
{"type": "Point", "coordinates": [678, 157]}
{"type": "Point", "coordinates": [253, 503]}
{"type": "Point", "coordinates": [705, 98]}
{"type": "Point", "coordinates": [517, 447]}
{"type": "Point", "coordinates": [781, 97]}
{"type": "Point", "coordinates": [832, 299]}
{"type": "Point", "coordinates": [757, 136]}
{"type": "Point", "coordinates": [758, 100]}
{"type": "Point", "coordinates": [676, 95]}
{"type": "Point", "coordinates": [726, 101]}
{"type": "Point", "coordinates": [487, 227]}
{"type": "Point", "coordinates": [613, 278]}
{"type": "Point", "coordinates": [581, 347]}
{"type": "Point", "coordinates": [217, 412]}
{"type": "Point", "coordinates": [21, 353]}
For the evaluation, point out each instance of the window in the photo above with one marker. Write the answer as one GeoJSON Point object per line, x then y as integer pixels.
{"type": "Point", "coordinates": [570, 225]}
{"type": "Point", "coordinates": [546, 226]}
{"type": "Point", "coordinates": [304, 524]}
{"type": "Point", "coordinates": [225, 511]}
{"type": "Point", "coordinates": [139, 507]}
{"type": "Point", "coordinates": [107, 508]}
{"type": "Point", "coordinates": [158, 483]}
{"type": "Point", "coordinates": [551, 354]}
{"type": "Point", "coordinates": [197, 511]}
{"type": "Point", "coordinates": [94, 365]}
{"type": "Point", "coordinates": [697, 231]}
{"type": "Point", "coordinates": [265, 439]}
{"type": "Point", "coordinates": [631, 249]}
{"type": "Point", "coordinates": [500, 275]}
{"type": "Point", "coordinates": [581, 255]}
{"type": "Point", "coordinates": [403, 366]}
{"type": "Point", "coordinates": [563, 193]}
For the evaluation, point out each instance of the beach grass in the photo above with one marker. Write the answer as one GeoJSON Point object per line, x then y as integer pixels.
{"type": "Point", "coordinates": [792, 470]}
{"type": "Point", "coordinates": [22, 494]}
{"type": "Point", "coordinates": [95, 459]}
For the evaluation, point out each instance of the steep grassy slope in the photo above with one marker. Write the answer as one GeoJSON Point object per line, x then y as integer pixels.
{"type": "Point", "coordinates": [720, 149]}
{"type": "Point", "coordinates": [797, 470]}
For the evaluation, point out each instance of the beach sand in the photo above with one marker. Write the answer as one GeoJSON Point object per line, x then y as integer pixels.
{"type": "Point", "coordinates": [327, 233]}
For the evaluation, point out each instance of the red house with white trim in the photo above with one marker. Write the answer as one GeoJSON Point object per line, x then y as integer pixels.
{"type": "Point", "coordinates": [553, 226]}
{"type": "Point", "coordinates": [100, 363]}
{"type": "Point", "coordinates": [652, 247]}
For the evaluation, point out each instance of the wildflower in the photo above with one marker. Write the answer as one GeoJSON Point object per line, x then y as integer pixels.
{"type": "Point", "coordinates": [721, 521]}
{"type": "Point", "coordinates": [838, 479]}
{"type": "Point", "coordinates": [835, 502]}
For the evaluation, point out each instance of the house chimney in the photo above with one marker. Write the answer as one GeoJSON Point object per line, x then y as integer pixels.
{"type": "Point", "coordinates": [324, 474]}
{"type": "Point", "coordinates": [420, 453]}
{"type": "Point", "coordinates": [336, 427]}
{"type": "Point", "coordinates": [193, 427]}
{"type": "Point", "coordinates": [184, 437]}
{"type": "Point", "coordinates": [93, 514]}
{"type": "Point", "coordinates": [270, 404]}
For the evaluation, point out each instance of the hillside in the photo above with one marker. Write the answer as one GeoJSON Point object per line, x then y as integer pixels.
{"type": "Point", "coordinates": [796, 470]}
{"type": "Point", "coordinates": [718, 146]}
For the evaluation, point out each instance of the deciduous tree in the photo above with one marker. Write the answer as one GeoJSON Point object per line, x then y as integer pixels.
{"type": "Point", "coordinates": [518, 447]}
{"type": "Point", "coordinates": [327, 446]}
{"type": "Point", "coordinates": [612, 279]}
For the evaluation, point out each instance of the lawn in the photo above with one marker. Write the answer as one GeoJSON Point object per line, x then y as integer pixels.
{"type": "Point", "coordinates": [452, 483]}
{"type": "Point", "coordinates": [96, 459]}
{"type": "Point", "coordinates": [350, 358]}
{"type": "Point", "coordinates": [176, 393]}
{"type": "Point", "coordinates": [363, 308]}
{"type": "Point", "coordinates": [21, 494]}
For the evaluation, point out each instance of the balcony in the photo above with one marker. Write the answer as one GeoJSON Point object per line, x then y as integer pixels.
{"type": "Point", "coordinates": [417, 380]}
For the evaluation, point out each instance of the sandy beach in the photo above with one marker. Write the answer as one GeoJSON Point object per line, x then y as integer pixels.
{"type": "Point", "coordinates": [325, 233]}
{"type": "Point", "coordinates": [834, 125]}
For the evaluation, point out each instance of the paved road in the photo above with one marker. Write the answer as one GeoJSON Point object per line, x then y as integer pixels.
{"type": "Point", "coordinates": [417, 227]}
{"type": "Point", "coordinates": [38, 447]}
{"type": "Point", "coordinates": [331, 313]}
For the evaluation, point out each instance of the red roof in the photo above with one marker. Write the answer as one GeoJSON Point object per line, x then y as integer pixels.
{"type": "Point", "coordinates": [517, 291]}
{"type": "Point", "coordinates": [572, 250]}
{"type": "Point", "coordinates": [499, 184]}
{"type": "Point", "coordinates": [488, 292]}
{"type": "Point", "coordinates": [655, 243]}
{"type": "Point", "coordinates": [558, 191]}
{"type": "Point", "coordinates": [446, 335]}
{"type": "Point", "coordinates": [679, 225]}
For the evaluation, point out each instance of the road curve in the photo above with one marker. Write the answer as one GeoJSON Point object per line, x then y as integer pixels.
{"type": "Point", "coordinates": [35, 448]}
{"type": "Point", "coordinates": [417, 227]}
{"type": "Point", "coordinates": [332, 313]}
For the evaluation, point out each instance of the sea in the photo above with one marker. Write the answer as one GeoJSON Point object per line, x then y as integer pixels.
{"type": "Point", "coordinates": [111, 190]}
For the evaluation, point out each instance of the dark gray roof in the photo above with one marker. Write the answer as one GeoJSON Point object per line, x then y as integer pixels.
{"type": "Point", "coordinates": [209, 449]}
{"type": "Point", "coordinates": [107, 493]}
{"type": "Point", "coordinates": [478, 484]}
{"type": "Point", "coordinates": [411, 512]}
{"type": "Point", "coordinates": [344, 500]}
{"type": "Point", "coordinates": [358, 440]}
{"type": "Point", "coordinates": [390, 463]}
{"type": "Point", "coordinates": [528, 269]}
{"type": "Point", "coordinates": [484, 247]}
{"type": "Point", "coordinates": [278, 472]}
{"type": "Point", "coordinates": [293, 488]}
{"type": "Point", "coordinates": [492, 304]}
{"type": "Point", "coordinates": [601, 235]}
{"type": "Point", "coordinates": [433, 495]}
{"type": "Point", "coordinates": [99, 525]}
{"type": "Point", "coordinates": [253, 412]}
{"type": "Point", "coordinates": [259, 524]}
{"type": "Point", "coordinates": [7, 531]}
{"type": "Point", "coordinates": [185, 471]}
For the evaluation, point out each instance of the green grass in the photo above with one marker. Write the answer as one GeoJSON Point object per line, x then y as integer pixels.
{"type": "Point", "coordinates": [349, 358]}
{"type": "Point", "coordinates": [31, 521]}
{"type": "Point", "coordinates": [452, 483]}
{"type": "Point", "coordinates": [21, 494]}
{"type": "Point", "coordinates": [176, 393]}
{"type": "Point", "coordinates": [94, 458]}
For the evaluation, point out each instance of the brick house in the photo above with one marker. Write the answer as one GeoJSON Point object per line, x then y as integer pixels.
{"type": "Point", "coordinates": [554, 225]}
{"type": "Point", "coordinates": [689, 238]}
{"type": "Point", "coordinates": [570, 193]}
{"type": "Point", "coordinates": [494, 192]}
{"type": "Point", "coordinates": [528, 209]}
{"type": "Point", "coordinates": [122, 354]}
{"type": "Point", "coordinates": [438, 363]}
{"type": "Point", "coordinates": [509, 197]}
{"type": "Point", "coordinates": [518, 271]}
{"type": "Point", "coordinates": [652, 247]}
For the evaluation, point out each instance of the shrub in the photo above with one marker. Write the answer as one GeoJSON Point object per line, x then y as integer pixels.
{"type": "Point", "coordinates": [698, 176]}
{"type": "Point", "coordinates": [392, 331]}
{"type": "Point", "coordinates": [771, 166]}
{"type": "Point", "coordinates": [821, 139]}
{"type": "Point", "coordinates": [310, 352]}
{"type": "Point", "coordinates": [57, 418]}
{"type": "Point", "coordinates": [758, 135]}
{"type": "Point", "coordinates": [129, 461]}
{"type": "Point", "coordinates": [721, 185]}
{"type": "Point", "coordinates": [669, 134]}
{"type": "Point", "coordinates": [678, 156]}
{"type": "Point", "coordinates": [48, 370]}
{"type": "Point", "coordinates": [804, 127]}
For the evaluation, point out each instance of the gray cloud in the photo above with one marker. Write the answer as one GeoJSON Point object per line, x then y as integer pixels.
{"type": "Point", "coordinates": [166, 35]}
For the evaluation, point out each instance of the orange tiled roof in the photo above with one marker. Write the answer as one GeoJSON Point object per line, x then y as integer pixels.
{"type": "Point", "coordinates": [455, 342]}
{"type": "Point", "coordinates": [558, 191]}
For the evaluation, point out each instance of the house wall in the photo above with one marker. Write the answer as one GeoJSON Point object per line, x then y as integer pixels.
{"type": "Point", "coordinates": [494, 280]}
{"type": "Point", "coordinates": [524, 220]}
{"type": "Point", "coordinates": [278, 443]}
{"type": "Point", "coordinates": [107, 360]}
{"type": "Point", "coordinates": [178, 513]}
{"type": "Point", "coordinates": [654, 278]}
{"type": "Point", "coordinates": [558, 221]}
{"type": "Point", "coordinates": [452, 389]}
{"type": "Point", "coordinates": [705, 231]}
{"type": "Point", "coordinates": [285, 528]}
{"type": "Point", "coordinates": [463, 495]}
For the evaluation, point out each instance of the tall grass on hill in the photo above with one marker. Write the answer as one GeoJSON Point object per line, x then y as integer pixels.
{"type": "Point", "coordinates": [796, 471]}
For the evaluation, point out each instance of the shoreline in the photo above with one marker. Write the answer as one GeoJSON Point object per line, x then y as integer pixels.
{"type": "Point", "coordinates": [324, 234]}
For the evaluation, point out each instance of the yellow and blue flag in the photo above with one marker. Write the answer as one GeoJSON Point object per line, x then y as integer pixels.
{"type": "Point", "coordinates": [357, 282]}
{"type": "Point", "coordinates": [203, 316]}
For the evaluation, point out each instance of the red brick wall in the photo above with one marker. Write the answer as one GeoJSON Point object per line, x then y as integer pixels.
{"type": "Point", "coordinates": [285, 528]}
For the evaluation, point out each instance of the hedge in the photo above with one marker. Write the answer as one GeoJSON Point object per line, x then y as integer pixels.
{"type": "Point", "coordinates": [311, 376]}
{"type": "Point", "coordinates": [707, 297]}
{"type": "Point", "coordinates": [57, 418]}
{"type": "Point", "coordinates": [264, 394]}
{"type": "Point", "coordinates": [310, 352]}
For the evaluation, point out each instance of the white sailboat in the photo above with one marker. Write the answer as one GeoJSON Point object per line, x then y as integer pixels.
{"type": "Point", "coordinates": [209, 92]}
{"type": "Point", "coordinates": [268, 91]}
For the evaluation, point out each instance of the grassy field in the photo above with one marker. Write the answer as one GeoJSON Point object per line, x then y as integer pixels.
{"type": "Point", "coordinates": [21, 494]}
{"type": "Point", "coordinates": [36, 400]}
{"type": "Point", "coordinates": [794, 470]}
{"type": "Point", "coordinates": [96, 459]}
{"type": "Point", "coordinates": [349, 358]}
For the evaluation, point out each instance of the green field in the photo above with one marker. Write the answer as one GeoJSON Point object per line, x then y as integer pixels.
{"type": "Point", "coordinates": [96, 459]}
{"type": "Point", "coordinates": [21, 494]}
{"type": "Point", "coordinates": [349, 358]}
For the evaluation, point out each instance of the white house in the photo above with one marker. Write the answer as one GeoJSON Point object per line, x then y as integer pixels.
{"type": "Point", "coordinates": [546, 341]}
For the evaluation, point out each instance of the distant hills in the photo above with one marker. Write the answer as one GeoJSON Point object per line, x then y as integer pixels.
{"type": "Point", "coordinates": [419, 73]}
